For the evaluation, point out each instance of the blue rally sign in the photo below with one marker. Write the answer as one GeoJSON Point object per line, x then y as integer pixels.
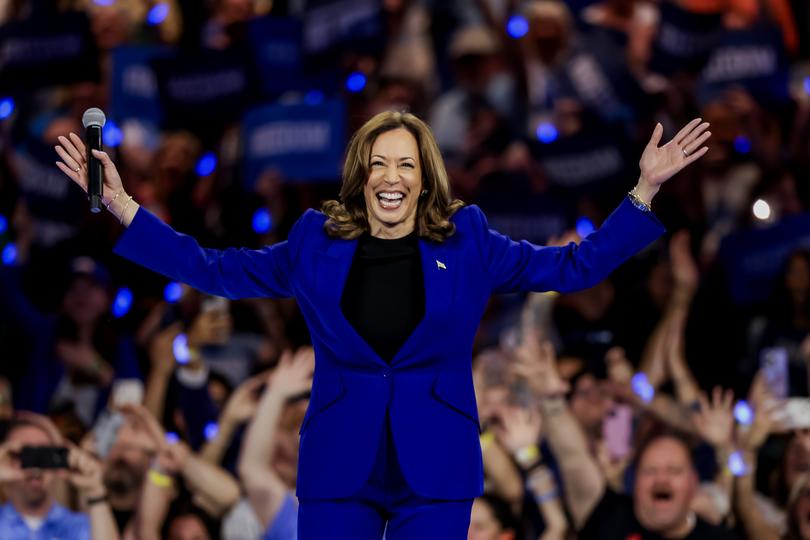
{"type": "Point", "coordinates": [46, 51]}
{"type": "Point", "coordinates": [134, 92]}
{"type": "Point", "coordinates": [303, 142]}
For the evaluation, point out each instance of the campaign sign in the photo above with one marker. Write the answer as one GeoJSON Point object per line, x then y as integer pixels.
{"type": "Point", "coordinates": [45, 51]}
{"type": "Point", "coordinates": [304, 142]}
{"type": "Point", "coordinates": [205, 90]}
{"type": "Point", "coordinates": [596, 75]}
{"type": "Point", "coordinates": [754, 258]}
{"type": "Point", "coordinates": [684, 39]}
{"type": "Point", "coordinates": [330, 25]}
{"type": "Point", "coordinates": [276, 43]}
{"type": "Point", "coordinates": [751, 58]}
{"type": "Point", "coordinates": [587, 160]}
{"type": "Point", "coordinates": [134, 87]}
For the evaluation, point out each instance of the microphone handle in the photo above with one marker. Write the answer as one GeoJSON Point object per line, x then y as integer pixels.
{"type": "Point", "coordinates": [94, 172]}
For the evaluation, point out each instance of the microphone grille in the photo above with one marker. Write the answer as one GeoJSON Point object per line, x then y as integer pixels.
{"type": "Point", "coordinates": [93, 117]}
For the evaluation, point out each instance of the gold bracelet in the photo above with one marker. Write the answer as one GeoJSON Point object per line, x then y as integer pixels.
{"type": "Point", "coordinates": [486, 438]}
{"type": "Point", "coordinates": [107, 206]}
{"type": "Point", "coordinates": [123, 211]}
{"type": "Point", "coordinates": [159, 479]}
{"type": "Point", "coordinates": [637, 202]}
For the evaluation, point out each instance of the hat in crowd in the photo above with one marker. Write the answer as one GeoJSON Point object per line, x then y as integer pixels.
{"type": "Point", "coordinates": [89, 267]}
{"type": "Point", "coordinates": [473, 40]}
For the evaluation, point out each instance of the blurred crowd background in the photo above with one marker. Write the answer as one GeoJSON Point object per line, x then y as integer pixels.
{"type": "Point", "coordinates": [228, 119]}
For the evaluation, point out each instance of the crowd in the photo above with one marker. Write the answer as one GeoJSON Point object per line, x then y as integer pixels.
{"type": "Point", "coordinates": [669, 401]}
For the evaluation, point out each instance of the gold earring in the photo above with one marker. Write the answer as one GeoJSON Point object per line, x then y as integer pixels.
{"type": "Point", "coordinates": [424, 192]}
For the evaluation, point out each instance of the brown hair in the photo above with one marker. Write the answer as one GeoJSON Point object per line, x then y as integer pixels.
{"type": "Point", "coordinates": [348, 218]}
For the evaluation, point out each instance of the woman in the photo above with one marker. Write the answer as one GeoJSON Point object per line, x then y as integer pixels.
{"type": "Point", "coordinates": [392, 281]}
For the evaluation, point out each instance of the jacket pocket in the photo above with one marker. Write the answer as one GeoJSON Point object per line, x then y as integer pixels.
{"type": "Point", "coordinates": [456, 391]}
{"type": "Point", "coordinates": [326, 390]}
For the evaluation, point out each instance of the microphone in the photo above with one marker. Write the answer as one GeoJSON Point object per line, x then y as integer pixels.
{"type": "Point", "coordinates": [93, 120]}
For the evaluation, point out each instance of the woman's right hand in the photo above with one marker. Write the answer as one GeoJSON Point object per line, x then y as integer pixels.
{"type": "Point", "coordinates": [74, 164]}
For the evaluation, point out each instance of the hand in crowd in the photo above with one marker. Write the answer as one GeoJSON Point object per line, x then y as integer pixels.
{"type": "Point", "coordinates": [714, 421]}
{"type": "Point", "coordinates": [293, 375]}
{"type": "Point", "coordinates": [10, 470]}
{"type": "Point", "coordinates": [85, 473]}
{"type": "Point", "coordinates": [210, 328]}
{"type": "Point", "coordinates": [537, 363]}
{"type": "Point", "coordinates": [520, 428]}
{"type": "Point", "coordinates": [242, 403]}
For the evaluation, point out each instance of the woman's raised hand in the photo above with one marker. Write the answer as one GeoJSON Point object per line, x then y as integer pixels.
{"type": "Point", "coordinates": [73, 152]}
{"type": "Point", "coordinates": [659, 163]}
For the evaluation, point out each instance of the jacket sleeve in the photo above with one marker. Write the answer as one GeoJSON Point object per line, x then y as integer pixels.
{"type": "Point", "coordinates": [522, 266]}
{"type": "Point", "coordinates": [232, 273]}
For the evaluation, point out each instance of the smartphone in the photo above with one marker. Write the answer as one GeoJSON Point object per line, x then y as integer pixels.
{"type": "Point", "coordinates": [773, 361]}
{"type": "Point", "coordinates": [794, 413]}
{"type": "Point", "coordinates": [126, 392]}
{"type": "Point", "coordinates": [44, 457]}
{"type": "Point", "coordinates": [105, 432]}
{"type": "Point", "coordinates": [617, 431]}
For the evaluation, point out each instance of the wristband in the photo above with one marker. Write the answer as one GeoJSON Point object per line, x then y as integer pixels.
{"type": "Point", "coordinates": [486, 439]}
{"type": "Point", "coordinates": [159, 479]}
{"type": "Point", "coordinates": [96, 500]}
{"type": "Point", "coordinates": [527, 455]}
{"type": "Point", "coordinates": [547, 496]}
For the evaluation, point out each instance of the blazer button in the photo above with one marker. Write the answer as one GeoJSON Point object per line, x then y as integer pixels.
{"type": "Point", "coordinates": [386, 373]}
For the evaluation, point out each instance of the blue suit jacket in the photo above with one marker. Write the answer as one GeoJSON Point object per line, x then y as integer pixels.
{"type": "Point", "coordinates": [428, 386]}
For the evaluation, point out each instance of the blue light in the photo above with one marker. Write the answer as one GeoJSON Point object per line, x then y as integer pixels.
{"type": "Point", "coordinates": [211, 430]}
{"type": "Point", "coordinates": [3, 224]}
{"type": "Point", "coordinates": [122, 302]}
{"type": "Point", "coordinates": [743, 413]}
{"type": "Point", "coordinates": [518, 26]}
{"type": "Point", "coordinates": [6, 107]}
{"type": "Point", "coordinates": [356, 82]}
{"type": "Point", "coordinates": [742, 144]}
{"type": "Point", "coordinates": [157, 14]}
{"type": "Point", "coordinates": [9, 254]}
{"type": "Point", "coordinates": [313, 97]}
{"type": "Point", "coordinates": [180, 349]}
{"type": "Point", "coordinates": [736, 464]}
{"type": "Point", "coordinates": [807, 85]}
{"type": "Point", "coordinates": [262, 221]}
{"type": "Point", "coordinates": [207, 164]}
{"type": "Point", "coordinates": [173, 292]}
{"type": "Point", "coordinates": [172, 437]}
{"type": "Point", "coordinates": [546, 132]}
{"type": "Point", "coordinates": [112, 135]}
{"type": "Point", "coordinates": [585, 227]}
{"type": "Point", "coordinates": [103, 2]}
{"type": "Point", "coordinates": [642, 387]}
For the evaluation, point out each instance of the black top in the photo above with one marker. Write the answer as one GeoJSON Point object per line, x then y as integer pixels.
{"type": "Point", "coordinates": [384, 297]}
{"type": "Point", "coordinates": [614, 519]}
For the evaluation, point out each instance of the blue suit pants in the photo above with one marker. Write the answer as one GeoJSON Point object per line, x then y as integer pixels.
{"type": "Point", "coordinates": [384, 505]}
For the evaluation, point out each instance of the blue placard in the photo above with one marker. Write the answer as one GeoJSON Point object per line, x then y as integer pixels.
{"type": "Point", "coordinates": [134, 87]}
{"type": "Point", "coordinates": [753, 58]}
{"type": "Point", "coordinates": [278, 52]}
{"type": "Point", "coordinates": [303, 142]}
{"type": "Point", "coordinates": [683, 40]}
{"type": "Point", "coordinates": [45, 51]}
{"type": "Point", "coordinates": [330, 25]}
{"type": "Point", "coordinates": [754, 258]}
{"type": "Point", "coordinates": [589, 160]}
{"type": "Point", "coordinates": [203, 91]}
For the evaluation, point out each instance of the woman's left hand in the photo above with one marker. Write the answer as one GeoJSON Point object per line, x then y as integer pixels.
{"type": "Point", "coordinates": [659, 163]}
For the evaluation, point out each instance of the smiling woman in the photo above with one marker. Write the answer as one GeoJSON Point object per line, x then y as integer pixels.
{"type": "Point", "coordinates": [394, 182]}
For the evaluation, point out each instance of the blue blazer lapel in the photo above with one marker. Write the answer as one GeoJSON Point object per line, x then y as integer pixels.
{"type": "Point", "coordinates": [333, 267]}
{"type": "Point", "coordinates": [438, 268]}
